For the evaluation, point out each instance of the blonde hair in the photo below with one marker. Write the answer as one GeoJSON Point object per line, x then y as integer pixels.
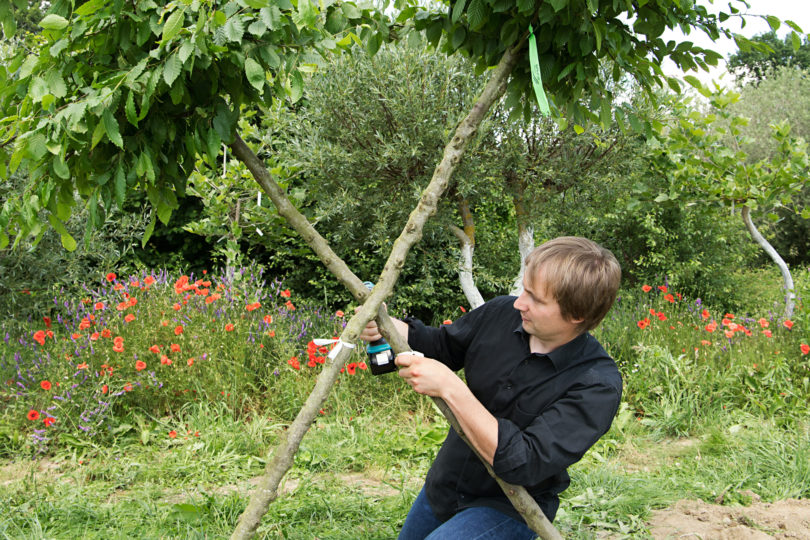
{"type": "Point", "coordinates": [581, 276]}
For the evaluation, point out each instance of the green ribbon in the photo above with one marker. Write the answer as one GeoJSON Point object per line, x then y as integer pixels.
{"type": "Point", "coordinates": [537, 79]}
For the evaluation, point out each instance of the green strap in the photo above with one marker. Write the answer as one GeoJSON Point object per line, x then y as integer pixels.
{"type": "Point", "coordinates": [537, 79]}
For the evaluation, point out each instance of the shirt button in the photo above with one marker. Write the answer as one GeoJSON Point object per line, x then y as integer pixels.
{"type": "Point", "coordinates": [508, 386]}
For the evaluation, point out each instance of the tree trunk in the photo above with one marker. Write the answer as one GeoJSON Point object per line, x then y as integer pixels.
{"type": "Point", "coordinates": [787, 279]}
{"type": "Point", "coordinates": [525, 242]}
{"type": "Point", "coordinates": [466, 238]}
{"type": "Point", "coordinates": [282, 460]}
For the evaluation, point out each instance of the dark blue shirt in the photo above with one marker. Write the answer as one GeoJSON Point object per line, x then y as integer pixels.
{"type": "Point", "coordinates": [550, 408]}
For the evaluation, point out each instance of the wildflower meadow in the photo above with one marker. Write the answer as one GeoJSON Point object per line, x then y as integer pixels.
{"type": "Point", "coordinates": [166, 392]}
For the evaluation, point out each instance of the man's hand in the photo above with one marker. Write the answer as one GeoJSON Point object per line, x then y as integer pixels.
{"type": "Point", "coordinates": [372, 333]}
{"type": "Point", "coordinates": [426, 375]}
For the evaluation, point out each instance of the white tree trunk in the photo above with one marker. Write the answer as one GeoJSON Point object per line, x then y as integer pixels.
{"type": "Point", "coordinates": [525, 246]}
{"type": "Point", "coordinates": [465, 265]}
{"type": "Point", "coordinates": [790, 295]}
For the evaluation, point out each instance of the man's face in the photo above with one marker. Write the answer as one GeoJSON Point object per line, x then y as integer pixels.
{"type": "Point", "coordinates": [541, 315]}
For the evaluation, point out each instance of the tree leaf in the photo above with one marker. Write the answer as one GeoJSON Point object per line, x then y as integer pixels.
{"type": "Point", "coordinates": [558, 4]}
{"type": "Point", "coordinates": [458, 10]}
{"type": "Point", "coordinates": [296, 86]}
{"type": "Point", "coordinates": [255, 73]}
{"type": "Point", "coordinates": [476, 14]}
{"type": "Point", "coordinates": [53, 22]}
{"type": "Point", "coordinates": [90, 7]}
{"type": "Point", "coordinates": [120, 186]}
{"type": "Point", "coordinates": [773, 22]}
{"type": "Point", "coordinates": [60, 167]}
{"type": "Point", "coordinates": [459, 35]}
{"type": "Point", "coordinates": [111, 128]}
{"type": "Point", "coordinates": [68, 242]}
{"type": "Point", "coordinates": [373, 44]}
{"type": "Point", "coordinates": [307, 13]}
{"type": "Point", "coordinates": [147, 233]}
{"type": "Point", "coordinates": [271, 16]}
{"type": "Point", "coordinates": [129, 110]}
{"type": "Point", "coordinates": [234, 29]}
{"type": "Point", "coordinates": [173, 24]}
{"type": "Point", "coordinates": [172, 68]}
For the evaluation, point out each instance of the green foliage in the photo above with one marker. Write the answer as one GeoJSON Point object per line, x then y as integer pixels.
{"type": "Point", "coordinates": [755, 64]}
{"type": "Point", "coordinates": [576, 39]}
{"type": "Point", "coordinates": [119, 96]}
{"type": "Point", "coordinates": [685, 363]}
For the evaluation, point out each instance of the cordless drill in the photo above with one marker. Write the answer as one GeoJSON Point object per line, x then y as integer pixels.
{"type": "Point", "coordinates": [380, 354]}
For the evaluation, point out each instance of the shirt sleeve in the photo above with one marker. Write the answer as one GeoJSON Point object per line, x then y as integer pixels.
{"type": "Point", "coordinates": [559, 436]}
{"type": "Point", "coordinates": [449, 342]}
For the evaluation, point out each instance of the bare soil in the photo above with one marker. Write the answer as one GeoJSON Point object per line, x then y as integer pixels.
{"type": "Point", "coordinates": [786, 519]}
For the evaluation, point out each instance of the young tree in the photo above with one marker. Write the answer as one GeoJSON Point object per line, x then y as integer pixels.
{"type": "Point", "coordinates": [708, 163]}
{"type": "Point", "coordinates": [754, 64]}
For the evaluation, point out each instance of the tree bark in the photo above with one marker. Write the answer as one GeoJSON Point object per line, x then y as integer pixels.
{"type": "Point", "coordinates": [525, 241]}
{"type": "Point", "coordinates": [466, 238]}
{"type": "Point", "coordinates": [787, 279]}
{"type": "Point", "coordinates": [282, 459]}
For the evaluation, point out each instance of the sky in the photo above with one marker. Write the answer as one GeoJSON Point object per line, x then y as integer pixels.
{"type": "Point", "coordinates": [797, 11]}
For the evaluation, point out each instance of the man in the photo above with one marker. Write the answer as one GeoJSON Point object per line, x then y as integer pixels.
{"type": "Point", "coordinates": [540, 391]}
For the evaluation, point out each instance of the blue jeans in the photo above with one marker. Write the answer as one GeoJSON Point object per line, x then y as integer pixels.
{"type": "Point", "coordinates": [479, 523]}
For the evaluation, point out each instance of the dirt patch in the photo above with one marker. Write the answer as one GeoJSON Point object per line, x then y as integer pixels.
{"type": "Point", "coordinates": [788, 519]}
{"type": "Point", "coordinates": [16, 471]}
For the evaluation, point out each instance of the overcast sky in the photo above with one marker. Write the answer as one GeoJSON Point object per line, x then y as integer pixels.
{"type": "Point", "coordinates": [797, 11]}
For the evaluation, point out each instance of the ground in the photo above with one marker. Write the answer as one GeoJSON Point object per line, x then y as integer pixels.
{"type": "Point", "coordinates": [759, 520]}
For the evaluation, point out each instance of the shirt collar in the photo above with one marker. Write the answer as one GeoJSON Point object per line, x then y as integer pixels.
{"type": "Point", "coordinates": [565, 355]}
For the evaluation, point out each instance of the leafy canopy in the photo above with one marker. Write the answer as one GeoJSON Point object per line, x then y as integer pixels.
{"type": "Point", "coordinates": [117, 95]}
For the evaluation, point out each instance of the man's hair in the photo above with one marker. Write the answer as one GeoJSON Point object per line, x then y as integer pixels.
{"type": "Point", "coordinates": [582, 276]}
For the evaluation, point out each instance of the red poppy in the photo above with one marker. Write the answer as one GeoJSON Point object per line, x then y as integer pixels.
{"type": "Point", "coordinates": [45, 385]}
{"type": "Point", "coordinates": [48, 421]}
{"type": "Point", "coordinates": [646, 288]}
{"type": "Point", "coordinates": [271, 333]}
{"type": "Point", "coordinates": [253, 306]}
{"type": "Point", "coordinates": [154, 349]}
{"type": "Point", "coordinates": [705, 342]}
{"type": "Point", "coordinates": [462, 309]}
{"type": "Point", "coordinates": [293, 361]}
{"type": "Point", "coordinates": [763, 323]}
{"type": "Point", "coordinates": [106, 333]}
{"type": "Point", "coordinates": [172, 434]}
{"type": "Point", "coordinates": [111, 277]}
{"type": "Point", "coordinates": [190, 361]}
{"type": "Point", "coordinates": [32, 415]}
{"type": "Point", "coordinates": [47, 321]}
{"type": "Point", "coordinates": [229, 327]}
{"type": "Point", "coordinates": [83, 365]}
{"type": "Point", "coordinates": [39, 337]}
{"type": "Point", "coordinates": [643, 323]}
{"type": "Point", "coordinates": [285, 293]}
{"type": "Point", "coordinates": [176, 306]}
{"type": "Point", "coordinates": [767, 333]}
{"type": "Point", "coordinates": [132, 301]}
{"type": "Point", "coordinates": [289, 305]}
{"type": "Point", "coordinates": [178, 329]}
{"type": "Point", "coordinates": [118, 347]}
{"type": "Point", "coordinates": [339, 313]}
{"type": "Point", "coordinates": [99, 305]}
{"type": "Point", "coordinates": [128, 387]}
{"type": "Point", "coordinates": [712, 326]}
{"type": "Point", "coordinates": [447, 321]}
{"type": "Point", "coordinates": [268, 319]}
{"type": "Point", "coordinates": [164, 360]}
{"type": "Point", "coordinates": [312, 362]}
{"type": "Point", "coordinates": [705, 314]}
{"type": "Point", "coordinates": [662, 288]}
{"type": "Point", "coordinates": [362, 365]}
{"type": "Point", "coordinates": [805, 348]}
{"type": "Point", "coordinates": [351, 368]}
{"type": "Point", "coordinates": [104, 389]}
{"type": "Point", "coordinates": [140, 365]}
{"type": "Point", "coordinates": [661, 316]}
{"type": "Point", "coordinates": [788, 324]}
{"type": "Point", "coordinates": [149, 280]}
{"type": "Point", "coordinates": [669, 298]}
